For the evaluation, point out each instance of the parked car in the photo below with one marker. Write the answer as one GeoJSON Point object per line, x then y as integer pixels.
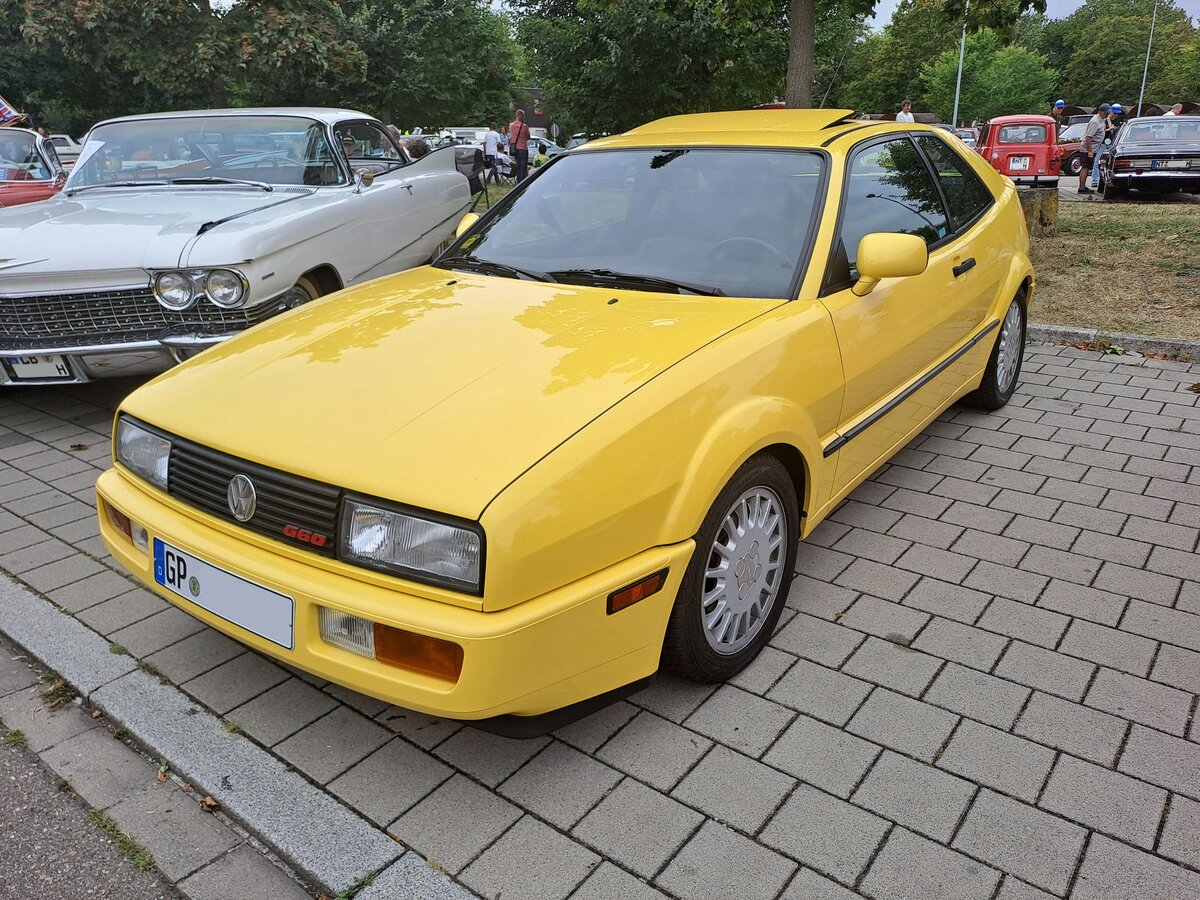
{"type": "Point", "coordinates": [29, 168]}
{"type": "Point", "coordinates": [585, 441]}
{"type": "Point", "coordinates": [175, 231]}
{"type": "Point", "coordinates": [1025, 148]}
{"type": "Point", "coordinates": [1070, 148]}
{"type": "Point", "coordinates": [969, 135]}
{"type": "Point", "coordinates": [67, 147]}
{"type": "Point", "coordinates": [1153, 153]}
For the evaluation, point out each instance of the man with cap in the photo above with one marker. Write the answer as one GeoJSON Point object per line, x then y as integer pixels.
{"type": "Point", "coordinates": [1093, 146]}
{"type": "Point", "coordinates": [1059, 113]}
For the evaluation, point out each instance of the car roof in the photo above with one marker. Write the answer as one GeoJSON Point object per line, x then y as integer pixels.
{"type": "Point", "coordinates": [747, 128]}
{"type": "Point", "coordinates": [1023, 120]}
{"type": "Point", "coordinates": [327, 115]}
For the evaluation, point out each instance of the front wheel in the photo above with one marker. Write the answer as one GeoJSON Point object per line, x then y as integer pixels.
{"type": "Point", "coordinates": [1004, 365]}
{"type": "Point", "coordinates": [734, 588]}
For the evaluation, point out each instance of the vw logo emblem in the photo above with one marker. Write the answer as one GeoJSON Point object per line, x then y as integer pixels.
{"type": "Point", "coordinates": [242, 497]}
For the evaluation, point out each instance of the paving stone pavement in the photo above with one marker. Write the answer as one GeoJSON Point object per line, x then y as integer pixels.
{"type": "Point", "coordinates": [984, 684]}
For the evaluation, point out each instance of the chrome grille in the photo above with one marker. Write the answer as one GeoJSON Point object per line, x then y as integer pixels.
{"type": "Point", "coordinates": [200, 476]}
{"type": "Point", "coordinates": [112, 317]}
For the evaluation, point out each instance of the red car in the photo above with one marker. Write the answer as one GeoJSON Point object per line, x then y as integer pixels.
{"type": "Point", "coordinates": [1025, 148]}
{"type": "Point", "coordinates": [29, 167]}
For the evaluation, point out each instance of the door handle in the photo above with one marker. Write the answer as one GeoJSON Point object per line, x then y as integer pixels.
{"type": "Point", "coordinates": [963, 267]}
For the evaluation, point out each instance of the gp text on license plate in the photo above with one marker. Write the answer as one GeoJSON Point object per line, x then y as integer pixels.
{"type": "Point", "coordinates": [260, 610]}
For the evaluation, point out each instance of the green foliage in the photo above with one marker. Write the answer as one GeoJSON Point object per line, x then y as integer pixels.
{"type": "Point", "coordinates": [434, 62]}
{"type": "Point", "coordinates": [996, 80]}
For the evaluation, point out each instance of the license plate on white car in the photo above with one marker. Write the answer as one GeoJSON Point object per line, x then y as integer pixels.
{"type": "Point", "coordinates": [1019, 163]}
{"type": "Point", "coordinates": [1170, 164]}
{"type": "Point", "coordinates": [258, 609]}
{"type": "Point", "coordinates": [38, 368]}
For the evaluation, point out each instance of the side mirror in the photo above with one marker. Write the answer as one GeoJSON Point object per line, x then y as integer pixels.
{"type": "Point", "coordinates": [363, 178]}
{"type": "Point", "coordinates": [887, 255]}
{"type": "Point", "coordinates": [465, 223]}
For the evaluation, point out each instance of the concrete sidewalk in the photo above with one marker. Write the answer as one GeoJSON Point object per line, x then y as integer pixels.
{"type": "Point", "coordinates": [85, 815]}
{"type": "Point", "coordinates": [984, 685]}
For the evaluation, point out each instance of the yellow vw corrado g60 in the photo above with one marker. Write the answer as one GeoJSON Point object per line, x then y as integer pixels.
{"type": "Point", "coordinates": [584, 443]}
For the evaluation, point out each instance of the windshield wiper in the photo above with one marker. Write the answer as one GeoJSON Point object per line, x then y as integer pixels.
{"type": "Point", "coordinates": [488, 267]}
{"type": "Point", "coordinates": [650, 280]}
{"type": "Point", "coordinates": [214, 179]}
{"type": "Point", "coordinates": [71, 192]}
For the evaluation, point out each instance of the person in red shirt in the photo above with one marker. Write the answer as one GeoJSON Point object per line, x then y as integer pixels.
{"type": "Point", "coordinates": [518, 138]}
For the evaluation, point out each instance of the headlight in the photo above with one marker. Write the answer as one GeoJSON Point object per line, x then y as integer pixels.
{"type": "Point", "coordinates": [143, 452]}
{"type": "Point", "coordinates": [418, 548]}
{"type": "Point", "coordinates": [225, 288]}
{"type": "Point", "coordinates": [174, 290]}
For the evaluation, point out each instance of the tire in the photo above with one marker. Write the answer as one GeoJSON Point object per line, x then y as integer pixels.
{"type": "Point", "coordinates": [1074, 164]}
{"type": "Point", "coordinates": [761, 487]}
{"type": "Point", "coordinates": [1109, 191]}
{"type": "Point", "coordinates": [305, 284]}
{"type": "Point", "coordinates": [1003, 371]}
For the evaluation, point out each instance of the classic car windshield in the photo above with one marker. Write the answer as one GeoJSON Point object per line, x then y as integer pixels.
{"type": "Point", "coordinates": [270, 149]}
{"type": "Point", "coordinates": [1166, 128]}
{"type": "Point", "coordinates": [19, 159]}
{"type": "Point", "coordinates": [722, 221]}
{"type": "Point", "coordinates": [1073, 133]}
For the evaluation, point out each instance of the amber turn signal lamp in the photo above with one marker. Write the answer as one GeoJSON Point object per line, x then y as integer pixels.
{"type": "Point", "coordinates": [119, 521]}
{"type": "Point", "coordinates": [432, 656]}
{"type": "Point", "coordinates": [636, 592]}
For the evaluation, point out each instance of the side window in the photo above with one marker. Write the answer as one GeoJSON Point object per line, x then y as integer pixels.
{"type": "Point", "coordinates": [966, 194]}
{"type": "Point", "coordinates": [890, 190]}
{"type": "Point", "coordinates": [367, 141]}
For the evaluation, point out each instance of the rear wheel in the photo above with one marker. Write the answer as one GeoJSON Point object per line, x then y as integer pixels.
{"type": "Point", "coordinates": [1004, 366]}
{"type": "Point", "coordinates": [734, 587]}
{"type": "Point", "coordinates": [1110, 191]}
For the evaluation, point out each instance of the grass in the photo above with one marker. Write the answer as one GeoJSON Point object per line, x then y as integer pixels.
{"type": "Point", "coordinates": [14, 738]}
{"type": "Point", "coordinates": [134, 852]}
{"type": "Point", "coordinates": [1132, 267]}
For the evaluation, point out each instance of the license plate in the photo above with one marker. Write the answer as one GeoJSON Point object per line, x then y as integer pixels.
{"type": "Point", "coordinates": [29, 368]}
{"type": "Point", "coordinates": [258, 609]}
{"type": "Point", "coordinates": [1169, 164]}
{"type": "Point", "coordinates": [1019, 163]}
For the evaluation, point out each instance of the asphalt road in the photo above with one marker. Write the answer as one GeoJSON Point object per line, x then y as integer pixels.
{"type": "Point", "coordinates": [51, 849]}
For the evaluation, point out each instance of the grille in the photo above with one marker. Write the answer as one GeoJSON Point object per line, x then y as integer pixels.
{"type": "Point", "coordinates": [200, 477]}
{"type": "Point", "coordinates": [112, 317]}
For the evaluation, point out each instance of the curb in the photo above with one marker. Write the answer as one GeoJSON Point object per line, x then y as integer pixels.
{"type": "Point", "coordinates": [1061, 334]}
{"type": "Point", "coordinates": [333, 847]}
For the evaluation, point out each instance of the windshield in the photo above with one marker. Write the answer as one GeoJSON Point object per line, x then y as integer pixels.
{"type": "Point", "coordinates": [1164, 128]}
{"type": "Point", "coordinates": [732, 221]}
{"type": "Point", "coordinates": [19, 159]}
{"type": "Point", "coordinates": [266, 149]}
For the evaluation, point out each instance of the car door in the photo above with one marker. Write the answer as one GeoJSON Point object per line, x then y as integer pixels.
{"type": "Point", "coordinates": [894, 337]}
{"type": "Point", "coordinates": [386, 215]}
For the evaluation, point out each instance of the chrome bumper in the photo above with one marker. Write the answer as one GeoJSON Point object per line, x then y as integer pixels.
{"type": "Point", "coordinates": [92, 362]}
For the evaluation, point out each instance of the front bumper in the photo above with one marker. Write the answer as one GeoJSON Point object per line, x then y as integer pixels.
{"type": "Point", "coordinates": [547, 653]}
{"type": "Point", "coordinates": [91, 362]}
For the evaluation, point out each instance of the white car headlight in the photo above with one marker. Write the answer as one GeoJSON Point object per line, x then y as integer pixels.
{"type": "Point", "coordinates": [142, 452]}
{"type": "Point", "coordinates": [174, 290]}
{"type": "Point", "coordinates": [411, 546]}
{"type": "Point", "coordinates": [225, 288]}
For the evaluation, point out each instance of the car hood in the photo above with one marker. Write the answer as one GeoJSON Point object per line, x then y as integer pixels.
{"type": "Point", "coordinates": [142, 229]}
{"type": "Point", "coordinates": [431, 388]}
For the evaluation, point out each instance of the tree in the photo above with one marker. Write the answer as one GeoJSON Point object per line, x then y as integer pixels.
{"type": "Point", "coordinates": [433, 62]}
{"type": "Point", "coordinates": [996, 80]}
{"type": "Point", "coordinates": [196, 51]}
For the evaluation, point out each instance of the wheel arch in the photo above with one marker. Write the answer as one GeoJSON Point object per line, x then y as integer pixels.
{"type": "Point", "coordinates": [326, 278]}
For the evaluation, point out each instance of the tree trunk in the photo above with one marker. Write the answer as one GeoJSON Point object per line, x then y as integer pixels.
{"type": "Point", "coordinates": [800, 55]}
{"type": "Point", "coordinates": [219, 100]}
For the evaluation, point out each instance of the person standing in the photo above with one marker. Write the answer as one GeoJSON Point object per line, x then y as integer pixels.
{"type": "Point", "coordinates": [1059, 113]}
{"type": "Point", "coordinates": [1093, 145]}
{"type": "Point", "coordinates": [1174, 110]}
{"type": "Point", "coordinates": [491, 150]}
{"type": "Point", "coordinates": [518, 144]}
{"type": "Point", "coordinates": [905, 115]}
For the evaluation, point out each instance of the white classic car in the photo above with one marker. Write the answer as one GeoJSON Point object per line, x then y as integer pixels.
{"type": "Point", "coordinates": [176, 231]}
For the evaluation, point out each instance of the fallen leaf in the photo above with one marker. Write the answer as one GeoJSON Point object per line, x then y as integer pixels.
{"type": "Point", "coordinates": [96, 714]}
{"type": "Point", "coordinates": [1171, 237]}
{"type": "Point", "coordinates": [209, 804]}
{"type": "Point", "coordinates": [80, 446]}
{"type": "Point", "coordinates": [1162, 306]}
{"type": "Point", "coordinates": [162, 776]}
{"type": "Point", "coordinates": [1195, 388]}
